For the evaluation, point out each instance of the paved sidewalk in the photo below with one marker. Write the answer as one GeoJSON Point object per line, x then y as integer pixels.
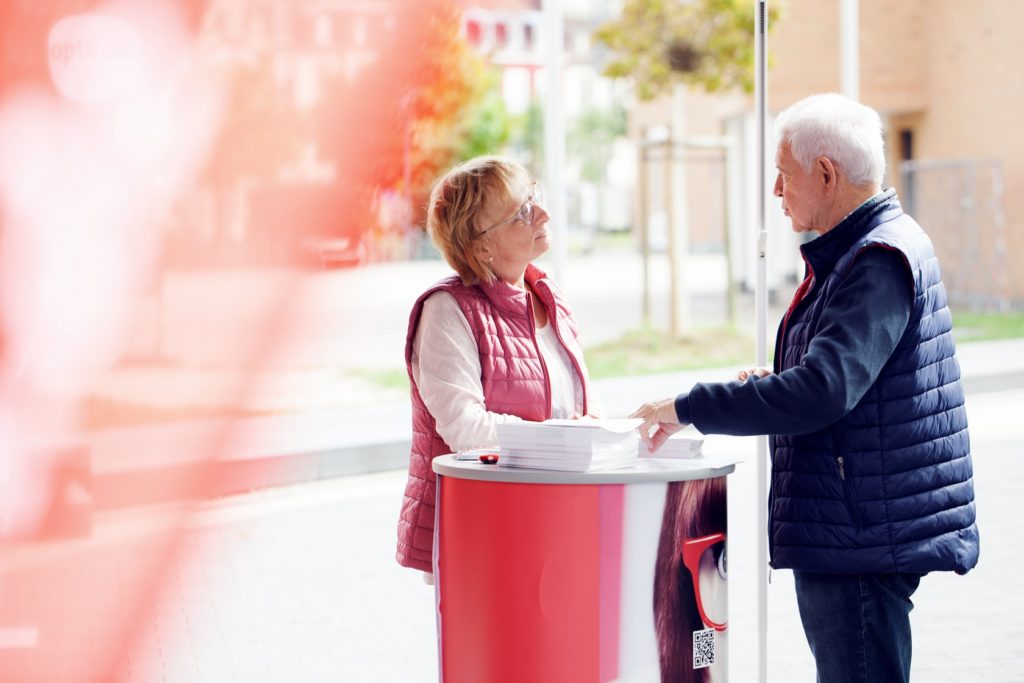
{"type": "Point", "coordinates": [299, 584]}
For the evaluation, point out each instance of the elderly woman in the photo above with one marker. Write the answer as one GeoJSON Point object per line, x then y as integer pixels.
{"type": "Point", "coordinates": [492, 344]}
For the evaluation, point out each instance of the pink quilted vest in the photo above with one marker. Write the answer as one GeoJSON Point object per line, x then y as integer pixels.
{"type": "Point", "coordinates": [514, 378]}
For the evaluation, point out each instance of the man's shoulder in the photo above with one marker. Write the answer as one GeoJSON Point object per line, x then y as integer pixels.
{"type": "Point", "coordinates": [898, 233]}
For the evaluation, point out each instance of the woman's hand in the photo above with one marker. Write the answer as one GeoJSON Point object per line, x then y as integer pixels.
{"type": "Point", "coordinates": [742, 375]}
{"type": "Point", "coordinates": [428, 578]}
{"type": "Point", "coordinates": [660, 414]}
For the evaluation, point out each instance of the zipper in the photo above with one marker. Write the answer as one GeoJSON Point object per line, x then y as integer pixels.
{"type": "Point", "coordinates": [553, 320]}
{"type": "Point", "coordinates": [847, 485]}
{"type": "Point", "coordinates": [540, 356]}
{"type": "Point", "coordinates": [771, 505]}
{"type": "Point", "coordinates": [800, 297]}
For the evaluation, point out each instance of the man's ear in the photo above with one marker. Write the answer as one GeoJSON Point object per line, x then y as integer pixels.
{"type": "Point", "coordinates": [827, 172]}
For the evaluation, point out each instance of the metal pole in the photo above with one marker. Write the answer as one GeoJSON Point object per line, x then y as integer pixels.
{"type": "Point", "coordinates": [761, 308]}
{"type": "Point", "coordinates": [645, 238]}
{"type": "Point", "coordinates": [673, 240]}
{"type": "Point", "coordinates": [849, 40]}
{"type": "Point", "coordinates": [554, 135]}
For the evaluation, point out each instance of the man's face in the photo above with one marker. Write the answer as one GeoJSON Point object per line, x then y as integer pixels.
{"type": "Point", "coordinates": [801, 191]}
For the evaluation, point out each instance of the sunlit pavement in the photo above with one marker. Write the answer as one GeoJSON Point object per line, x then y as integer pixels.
{"type": "Point", "coordinates": [299, 583]}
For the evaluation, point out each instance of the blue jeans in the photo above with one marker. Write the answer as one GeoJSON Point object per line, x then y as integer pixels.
{"type": "Point", "coordinates": [858, 625]}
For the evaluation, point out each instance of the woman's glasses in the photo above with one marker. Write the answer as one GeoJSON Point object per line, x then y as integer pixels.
{"type": "Point", "coordinates": [526, 212]}
{"type": "Point", "coordinates": [705, 557]}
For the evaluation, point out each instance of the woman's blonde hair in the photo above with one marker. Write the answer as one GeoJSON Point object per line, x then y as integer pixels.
{"type": "Point", "coordinates": [455, 206]}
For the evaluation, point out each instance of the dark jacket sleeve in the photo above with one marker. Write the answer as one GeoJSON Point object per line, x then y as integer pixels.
{"type": "Point", "coordinates": [859, 329]}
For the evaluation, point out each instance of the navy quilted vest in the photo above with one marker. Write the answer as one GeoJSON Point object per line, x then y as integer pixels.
{"type": "Point", "coordinates": [888, 487]}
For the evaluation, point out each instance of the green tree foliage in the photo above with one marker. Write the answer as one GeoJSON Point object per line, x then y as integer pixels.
{"type": "Point", "coordinates": [527, 137]}
{"type": "Point", "coordinates": [457, 111]}
{"type": "Point", "coordinates": [590, 139]}
{"type": "Point", "coordinates": [488, 126]}
{"type": "Point", "coordinates": [708, 43]}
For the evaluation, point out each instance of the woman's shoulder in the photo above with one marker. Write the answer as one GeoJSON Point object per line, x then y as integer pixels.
{"type": "Point", "coordinates": [439, 299]}
{"type": "Point", "coordinates": [450, 287]}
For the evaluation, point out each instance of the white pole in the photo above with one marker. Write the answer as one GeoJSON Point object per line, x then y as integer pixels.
{"type": "Point", "coordinates": [761, 308]}
{"type": "Point", "coordinates": [849, 50]}
{"type": "Point", "coordinates": [679, 229]}
{"type": "Point", "coordinates": [554, 135]}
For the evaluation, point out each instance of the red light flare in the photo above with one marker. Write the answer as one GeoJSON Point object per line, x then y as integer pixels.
{"type": "Point", "coordinates": [93, 178]}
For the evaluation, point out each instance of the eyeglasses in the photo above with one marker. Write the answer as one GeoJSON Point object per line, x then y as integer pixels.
{"type": "Point", "coordinates": [705, 557]}
{"type": "Point", "coordinates": [526, 212]}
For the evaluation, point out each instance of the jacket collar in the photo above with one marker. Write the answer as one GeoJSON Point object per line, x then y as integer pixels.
{"type": "Point", "coordinates": [512, 299]}
{"type": "Point", "coordinates": [823, 252]}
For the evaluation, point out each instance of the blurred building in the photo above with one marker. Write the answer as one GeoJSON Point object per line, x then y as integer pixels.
{"type": "Point", "coordinates": [283, 192]}
{"type": "Point", "coordinates": [942, 74]}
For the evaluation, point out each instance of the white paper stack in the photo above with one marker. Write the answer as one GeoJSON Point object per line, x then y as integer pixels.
{"type": "Point", "coordinates": [685, 443]}
{"type": "Point", "coordinates": [569, 445]}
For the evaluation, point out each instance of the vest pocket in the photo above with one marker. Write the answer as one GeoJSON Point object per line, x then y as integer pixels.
{"type": "Point", "coordinates": [846, 482]}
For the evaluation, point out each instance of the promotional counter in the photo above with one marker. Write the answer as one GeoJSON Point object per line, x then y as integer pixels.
{"type": "Point", "coordinates": [592, 577]}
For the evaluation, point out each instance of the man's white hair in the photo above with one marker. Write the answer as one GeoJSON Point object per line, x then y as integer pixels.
{"type": "Point", "coordinates": [833, 126]}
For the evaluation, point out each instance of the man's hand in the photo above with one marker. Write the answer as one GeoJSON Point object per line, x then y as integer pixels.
{"type": "Point", "coordinates": [760, 373]}
{"type": "Point", "coordinates": [660, 414]}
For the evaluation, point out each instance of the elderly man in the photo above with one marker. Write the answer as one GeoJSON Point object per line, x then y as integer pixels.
{"type": "Point", "coordinates": [871, 483]}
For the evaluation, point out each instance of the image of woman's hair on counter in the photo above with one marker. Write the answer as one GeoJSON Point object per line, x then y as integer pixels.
{"type": "Point", "coordinates": [689, 576]}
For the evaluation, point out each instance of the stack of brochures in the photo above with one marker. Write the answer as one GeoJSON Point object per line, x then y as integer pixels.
{"type": "Point", "coordinates": [685, 443]}
{"type": "Point", "coordinates": [569, 445]}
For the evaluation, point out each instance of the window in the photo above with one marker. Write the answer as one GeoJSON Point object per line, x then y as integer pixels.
{"type": "Point", "coordinates": [473, 32]}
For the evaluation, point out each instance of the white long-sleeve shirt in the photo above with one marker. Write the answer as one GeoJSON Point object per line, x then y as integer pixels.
{"type": "Point", "coordinates": [446, 369]}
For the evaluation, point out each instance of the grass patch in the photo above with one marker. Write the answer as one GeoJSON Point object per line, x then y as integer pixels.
{"type": "Point", "coordinates": [649, 352]}
{"type": "Point", "coordinates": [614, 240]}
{"type": "Point", "coordinates": [386, 378]}
{"type": "Point", "coordinates": [968, 327]}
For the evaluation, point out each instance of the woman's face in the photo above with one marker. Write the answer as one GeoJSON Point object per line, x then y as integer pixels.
{"type": "Point", "coordinates": [510, 240]}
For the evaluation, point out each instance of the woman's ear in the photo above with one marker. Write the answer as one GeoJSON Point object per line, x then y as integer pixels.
{"type": "Point", "coordinates": [482, 260]}
{"type": "Point", "coordinates": [482, 251]}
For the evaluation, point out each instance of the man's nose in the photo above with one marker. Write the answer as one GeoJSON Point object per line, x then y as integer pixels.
{"type": "Point", "coordinates": [778, 185]}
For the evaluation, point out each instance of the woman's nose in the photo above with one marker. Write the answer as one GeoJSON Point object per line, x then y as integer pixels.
{"type": "Point", "coordinates": [542, 214]}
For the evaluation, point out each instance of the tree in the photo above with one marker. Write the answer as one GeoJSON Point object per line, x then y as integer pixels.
{"type": "Point", "coordinates": [664, 46]}
{"type": "Point", "coordinates": [488, 125]}
{"type": "Point", "coordinates": [590, 139]}
{"type": "Point", "coordinates": [397, 123]}
{"type": "Point", "coordinates": [709, 43]}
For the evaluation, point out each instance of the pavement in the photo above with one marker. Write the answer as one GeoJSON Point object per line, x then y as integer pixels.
{"type": "Point", "coordinates": [295, 581]}
{"type": "Point", "coordinates": [296, 584]}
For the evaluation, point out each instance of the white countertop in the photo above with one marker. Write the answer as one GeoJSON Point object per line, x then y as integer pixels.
{"type": "Point", "coordinates": [646, 470]}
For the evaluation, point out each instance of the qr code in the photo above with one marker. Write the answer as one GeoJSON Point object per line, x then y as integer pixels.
{"type": "Point", "coordinates": [703, 648]}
